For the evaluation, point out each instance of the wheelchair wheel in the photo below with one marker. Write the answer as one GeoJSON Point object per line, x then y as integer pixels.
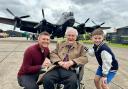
{"type": "Point", "coordinates": [59, 86]}
{"type": "Point", "coordinates": [82, 86]}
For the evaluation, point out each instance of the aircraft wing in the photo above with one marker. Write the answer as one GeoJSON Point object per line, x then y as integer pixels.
{"type": "Point", "coordinates": [105, 28]}
{"type": "Point", "coordinates": [28, 26]}
{"type": "Point", "coordinates": [7, 21]}
{"type": "Point", "coordinates": [91, 29]}
{"type": "Point", "coordinates": [24, 25]}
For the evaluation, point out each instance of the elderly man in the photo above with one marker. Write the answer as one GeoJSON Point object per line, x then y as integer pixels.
{"type": "Point", "coordinates": [64, 58]}
{"type": "Point", "coordinates": [33, 61]}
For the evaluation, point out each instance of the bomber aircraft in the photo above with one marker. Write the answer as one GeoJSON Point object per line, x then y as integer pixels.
{"type": "Point", "coordinates": [56, 30]}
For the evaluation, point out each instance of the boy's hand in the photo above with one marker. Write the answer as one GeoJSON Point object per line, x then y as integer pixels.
{"type": "Point", "coordinates": [104, 80]}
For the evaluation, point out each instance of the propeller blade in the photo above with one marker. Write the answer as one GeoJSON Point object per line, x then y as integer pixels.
{"type": "Point", "coordinates": [94, 22]}
{"type": "Point", "coordinates": [15, 25]}
{"type": "Point", "coordinates": [87, 20]}
{"type": "Point", "coordinates": [43, 13]}
{"type": "Point", "coordinates": [102, 23]}
{"type": "Point", "coordinates": [26, 16]}
{"type": "Point", "coordinates": [10, 12]}
{"type": "Point", "coordinates": [38, 25]}
{"type": "Point", "coordinates": [77, 22]}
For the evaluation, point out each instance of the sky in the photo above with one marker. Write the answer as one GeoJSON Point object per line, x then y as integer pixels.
{"type": "Point", "coordinates": [113, 12]}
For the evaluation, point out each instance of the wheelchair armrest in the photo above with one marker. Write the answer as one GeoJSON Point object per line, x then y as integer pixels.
{"type": "Point", "coordinates": [42, 70]}
{"type": "Point", "coordinates": [78, 68]}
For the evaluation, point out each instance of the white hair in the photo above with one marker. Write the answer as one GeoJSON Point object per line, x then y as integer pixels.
{"type": "Point", "coordinates": [71, 29]}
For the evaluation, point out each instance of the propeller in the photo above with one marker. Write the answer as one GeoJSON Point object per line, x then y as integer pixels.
{"type": "Point", "coordinates": [77, 22]}
{"type": "Point", "coordinates": [16, 18]}
{"type": "Point", "coordinates": [43, 22]}
{"type": "Point", "coordinates": [82, 23]}
{"type": "Point", "coordinates": [99, 24]}
{"type": "Point", "coordinates": [93, 22]}
{"type": "Point", "coordinates": [43, 14]}
{"type": "Point", "coordinates": [102, 23]}
{"type": "Point", "coordinates": [10, 12]}
{"type": "Point", "coordinates": [87, 20]}
{"type": "Point", "coordinates": [81, 27]}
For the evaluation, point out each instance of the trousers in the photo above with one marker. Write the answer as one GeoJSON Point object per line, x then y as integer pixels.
{"type": "Point", "coordinates": [28, 81]}
{"type": "Point", "coordinates": [60, 75]}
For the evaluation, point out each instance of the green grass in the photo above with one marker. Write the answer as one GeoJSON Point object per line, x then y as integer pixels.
{"type": "Point", "coordinates": [90, 42]}
{"type": "Point", "coordinates": [110, 44]}
{"type": "Point", "coordinates": [86, 41]}
{"type": "Point", "coordinates": [118, 45]}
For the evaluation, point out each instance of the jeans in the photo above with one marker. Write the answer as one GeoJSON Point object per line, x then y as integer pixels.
{"type": "Point", "coordinates": [28, 81]}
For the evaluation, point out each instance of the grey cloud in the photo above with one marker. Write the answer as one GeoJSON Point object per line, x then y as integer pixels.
{"type": "Point", "coordinates": [118, 5]}
{"type": "Point", "coordinates": [83, 2]}
{"type": "Point", "coordinates": [15, 6]}
{"type": "Point", "coordinates": [113, 12]}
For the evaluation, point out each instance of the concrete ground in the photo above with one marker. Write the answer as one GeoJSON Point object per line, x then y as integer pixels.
{"type": "Point", "coordinates": [11, 54]}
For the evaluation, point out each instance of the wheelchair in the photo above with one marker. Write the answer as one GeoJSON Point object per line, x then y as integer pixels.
{"type": "Point", "coordinates": [77, 69]}
{"type": "Point", "coordinates": [80, 85]}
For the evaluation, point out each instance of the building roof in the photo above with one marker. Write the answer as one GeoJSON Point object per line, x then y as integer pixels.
{"type": "Point", "coordinates": [126, 27]}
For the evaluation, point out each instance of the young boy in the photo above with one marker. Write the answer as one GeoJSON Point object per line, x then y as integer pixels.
{"type": "Point", "coordinates": [108, 65]}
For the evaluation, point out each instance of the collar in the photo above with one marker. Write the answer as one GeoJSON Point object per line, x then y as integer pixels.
{"type": "Point", "coordinates": [97, 47]}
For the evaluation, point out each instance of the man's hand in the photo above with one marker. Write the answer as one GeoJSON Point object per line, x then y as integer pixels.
{"type": "Point", "coordinates": [45, 66]}
{"type": "Point", "coordinates": [61, 63]}
{"type": "Point", "coordinates": [46, 63]}
{"type": "Point", "coordinates": [67, 64]}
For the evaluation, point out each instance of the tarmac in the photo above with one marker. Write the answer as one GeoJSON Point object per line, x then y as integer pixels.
{"type": "Point", "coordinates": [11, 54]}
